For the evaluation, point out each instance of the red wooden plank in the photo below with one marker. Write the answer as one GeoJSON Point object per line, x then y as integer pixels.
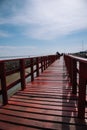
{"type": "Point", "coordinates": [27, 122]}
{"type": "Point", "coordinates": [43, 102]}
{"type": "Point", "coordinates": [40, 111]}
{"type": "Point", "coordinates": [42, 106]}
{"type": "Point", "coordinates": [9, 126]}
{"type": "Point", "coordinates": [38, 117]}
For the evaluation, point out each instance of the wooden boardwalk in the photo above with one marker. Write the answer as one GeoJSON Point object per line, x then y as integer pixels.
{"type": "Point", "coordinates": [46, 103]}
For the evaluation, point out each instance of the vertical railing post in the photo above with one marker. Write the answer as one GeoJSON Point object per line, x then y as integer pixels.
{"type": "Point", "coordinates": [74, 76]}
{"type": "Point", "coordinates": [82, 91]}
{"type": "Point", "coordinates": [3, 83]}
{"type": "Point", "coordinates": [47, 61]}
{"type": "Point", "coordinates": [37, 66]}
{"type": "Point", "coordinates": [41, 64]}
{"type": "Point", "coordinates": [32, 70]}
{"type": "Point", "coordinates": [50, 60]}
{"type": "Point", "coordinates": [70, 69]}
{"type": "Point", "coordinates": [44, 63]}
{"type": "Point", "coordinates": [22, 73]}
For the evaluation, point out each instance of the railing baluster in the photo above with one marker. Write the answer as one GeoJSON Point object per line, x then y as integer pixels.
{"type": "Point", "coordinates": [32, 70]}
{"type": "Point", "coordinates": [37, 66]}
{"type": "Point", "coordinates": [3, 83]}
{"type": "Point", "coordinates": [44, 62]}
{"type": "Point", "coordinates": [82, 91]}
{"type": "Point", "coordinates": [41, 64]}
{"type": "Point", "coordinates": [22, 73]}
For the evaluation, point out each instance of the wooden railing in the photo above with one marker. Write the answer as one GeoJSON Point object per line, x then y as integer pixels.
{"type": "Point", "coordinates": [77, 70]}
{"type": "Point", "coordinates": [36, 65]}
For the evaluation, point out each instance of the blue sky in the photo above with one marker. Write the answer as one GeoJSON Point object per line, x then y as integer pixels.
{"type": "Point", "coordinates": [38, 27]}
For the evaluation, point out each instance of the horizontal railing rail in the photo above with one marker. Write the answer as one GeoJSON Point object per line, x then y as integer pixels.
{"type": "Point", "coordinates": [77, 71]}
{"type": "Point", "coordinates": [24, 67]}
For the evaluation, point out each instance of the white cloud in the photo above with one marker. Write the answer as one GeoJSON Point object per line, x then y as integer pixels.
{"type": "Point", "coordinates": [50, 18]}
{"type": "Point", "coordinates": [4, 34]}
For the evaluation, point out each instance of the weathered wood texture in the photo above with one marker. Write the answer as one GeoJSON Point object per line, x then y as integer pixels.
{"type": "Point", "coordinates": [46, 103]}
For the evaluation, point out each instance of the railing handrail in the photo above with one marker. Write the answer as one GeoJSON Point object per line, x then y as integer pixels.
{"type": "Point", "coordinates": [81, 59]}
{"type": "Point", "coordinates": [13, 59]}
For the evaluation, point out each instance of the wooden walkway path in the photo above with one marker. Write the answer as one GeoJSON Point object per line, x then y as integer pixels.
{"type": "Point", "coordinates": [46, 103]}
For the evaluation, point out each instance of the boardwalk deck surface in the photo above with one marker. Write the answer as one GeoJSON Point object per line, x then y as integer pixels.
{"type": "Point", "coordinates": [46, 103]}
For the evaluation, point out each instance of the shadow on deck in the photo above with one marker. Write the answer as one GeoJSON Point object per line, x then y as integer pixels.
{"type": "Point", "coordinates": [46, 103]}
